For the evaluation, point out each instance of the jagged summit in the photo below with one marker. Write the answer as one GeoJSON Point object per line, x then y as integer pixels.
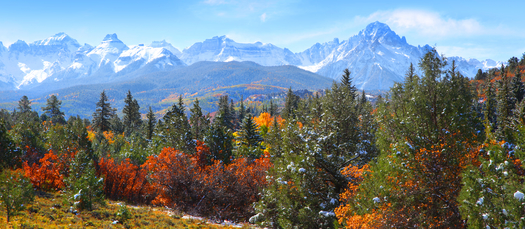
{"type": "Point", "coordinates": [157, 44]}
{"type": "Point", "coordinates": [376, 29]}
{"type": "Point", "coordinates": [166, 45]}
{"type": "Point", "coordinates": [111, 37]}
{"type": "Point", "coordinates": [381, 32]}
{"type": "Point", "coordinates": [19, 46]}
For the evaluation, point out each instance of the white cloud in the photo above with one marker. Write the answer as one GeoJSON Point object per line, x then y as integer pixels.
{"type": "Point", "coordinates": [263, 17]}
{"type": "Point", "coordinates": [426, 23]}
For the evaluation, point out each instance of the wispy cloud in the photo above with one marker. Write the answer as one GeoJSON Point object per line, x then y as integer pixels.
{"type": "Point", "coordinates": [427, 23]}
{"type": "Point", "coordinates": [263, 17]}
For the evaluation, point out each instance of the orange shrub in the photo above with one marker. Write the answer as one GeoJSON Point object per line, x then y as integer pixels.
{"type": "Point", "coordinates": [46, 174]}
{"type": "Point", "coordinates": [218, 191]}
{"type": "Point", "coordinates": [125, 181]}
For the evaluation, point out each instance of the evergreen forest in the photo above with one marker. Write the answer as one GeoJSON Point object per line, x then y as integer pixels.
{"type": "Point", "coordinates": [439, 150]}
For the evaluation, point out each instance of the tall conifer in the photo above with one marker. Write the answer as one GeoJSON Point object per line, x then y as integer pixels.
{"type": "Point", "coordinates": [103, 114]}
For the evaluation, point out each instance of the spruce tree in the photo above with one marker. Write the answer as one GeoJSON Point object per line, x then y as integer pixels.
{"type": "Point", "coordinates": [493, 192]}
{"type": "Point", "coordinates": [489, 110]}
{"type": "Point", "coordinates": [226, 112]}
{"type": "Point", "coordinates": [84, 187]}
{"type": "Point", "coordinates": [346, 80]}
{"type": "Point", "coordinates": [242, 110]}
{"type": "Point", "coordinates": [249, 139]}
{"type": "Point", "coordinates": [427, 132]}
{"type": "Point", "coordinates": [479, 75]}
{"type": "Point", "coordinates": [220, 139]}
{"type": "Point", "coordinates": [518, 89]}
{"type": "Point", "coordinates": [175, 129]}
{"type": "Point", "coordinates": [504, 107]}
{"type": "Point", "coordinates": [103, 114]}
{"type": "Point", "coordinates": [290, 105]}
{"type": "Point", "coordinates": [24, 105]}
{"type": "Point", "coordinates": [131, 119]}
{"type": "Point", "coordinates": [52, 110]}
{"type": "Point", "coordinates": [7, 146]}
{"type": "Point", "coordinates": [307, 179]}
{"type": "Point", "coordinates": [150, 128]}
{"type": "Point", "coordinates": [273, 108]}
{"type": "Point", "coordinates": [198, 121]}
{"type": "Point", "coordinates": [116, 125]}
{"type": "Point", "coordinates": [15, 192]}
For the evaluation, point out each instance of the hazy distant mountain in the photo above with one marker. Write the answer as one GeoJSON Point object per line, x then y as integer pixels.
{"type": "Point", "coordinates": [377, 57]}
{"type": "Point", "coordinates": [204, 80]}
{"type": "Point", "coordinates": [224, 49]}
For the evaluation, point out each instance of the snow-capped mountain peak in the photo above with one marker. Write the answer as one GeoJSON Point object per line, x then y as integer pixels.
{"type": "Point", "coordinates": [108, 51]}
{"type": "Point", "coordinates": [375, 30]}
{"type": "Point", "coordinates": [166, 45]}
{"type": "Point", "coordinates": [57, 39]}
{"type": "Point", "coordinates": [222, 48]}
{"type": "Point", "coordinates": [18, 46]}
{"type": "Point", "coordinates": [111, 37]}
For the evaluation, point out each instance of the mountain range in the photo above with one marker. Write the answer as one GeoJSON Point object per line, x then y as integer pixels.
{"type": "Point", "coordinates": [376, 56]}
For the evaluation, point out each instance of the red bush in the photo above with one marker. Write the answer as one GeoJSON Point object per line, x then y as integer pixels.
{"type": "Point", "coordinates": [45, 175]}
{"type": "Point", "coordinates": [218, 191]}
{"type": "Point", "coordinates": [125, 181]}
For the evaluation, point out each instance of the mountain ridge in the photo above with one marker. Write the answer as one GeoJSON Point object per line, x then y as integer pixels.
{"type": "Point", "coordinates": [376, 56]}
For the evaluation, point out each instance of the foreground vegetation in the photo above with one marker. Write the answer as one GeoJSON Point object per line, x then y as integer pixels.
{"type": "Point", "coordinates": [48, 211]}
{"type": "Point", "coordinates": [439, 151]}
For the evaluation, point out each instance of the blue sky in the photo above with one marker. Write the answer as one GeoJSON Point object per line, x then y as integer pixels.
{"type": "Point", "coordinates": [471, 29]}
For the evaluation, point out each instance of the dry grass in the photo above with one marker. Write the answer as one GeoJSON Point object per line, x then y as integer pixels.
{"type": "Point", "coordinates": [47, 211]}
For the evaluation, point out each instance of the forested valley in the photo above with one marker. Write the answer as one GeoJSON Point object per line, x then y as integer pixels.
{"type": "Point", "coordinates": [438, 151]}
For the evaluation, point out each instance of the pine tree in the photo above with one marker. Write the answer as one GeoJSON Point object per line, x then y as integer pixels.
{"type": "Point", "coordinates": [427, 133]}
{"type": "Point", "coordinates": [131, 119]}
{"type": "Point", "coordinates": [493, 192]}
{"type": "Point", "coordinates": [220, 139]}
{"type": "Point", "coordinates": [116, 125]}
{"type": "Point", "coordinates": [234, 117]}
{"type": "Point", "coordinates": [309, 157]}
{"type": "Point", "coordinates": [273, 108]}
{"type": "Point", "coordinates": [150, 128]}
{"type": "Point", "coordinates": [489, 110]}
{"type": "Point", "coordinates": [24, 105]}
{"type": "Point", "coordinates": [249, 139]}
{"type": "Point", "coordinates": [84, 187]}
{"type": "Point", "coordinates": [518, 89]}
{"type": "Point", "coordinates": [52, 109]}
{"type": "Point", "coordinates": [7, 146]}
{"type": "Point", "coordinates": [504, 107]}
{"type": "Point", "coordinates": [15, 191]}
{"type": "Point", "coordinates": [346, 80]}
{"type": "Point", "coordinates": [226, 113]}
{"type": "Point", "coordinates": [103, 114]}
{"type": "Point", "coordinates": [479, 75]}
{"type": "Point", "coordinates": [198, 121]}
{"type": "Point", "coordinates": [242, 110]}
{"type": "Point", "coordinates": [290, 105]}
{"type": "Point", "coordinates": [176, 130]}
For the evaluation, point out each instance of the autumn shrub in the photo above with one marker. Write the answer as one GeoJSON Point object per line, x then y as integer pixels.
{"type": "Point", "coordinates": [46, 174]}
{"type": "Point", "coordinates": [125, 181]}
{"type": "Point", "coordinates": [218, 191]}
